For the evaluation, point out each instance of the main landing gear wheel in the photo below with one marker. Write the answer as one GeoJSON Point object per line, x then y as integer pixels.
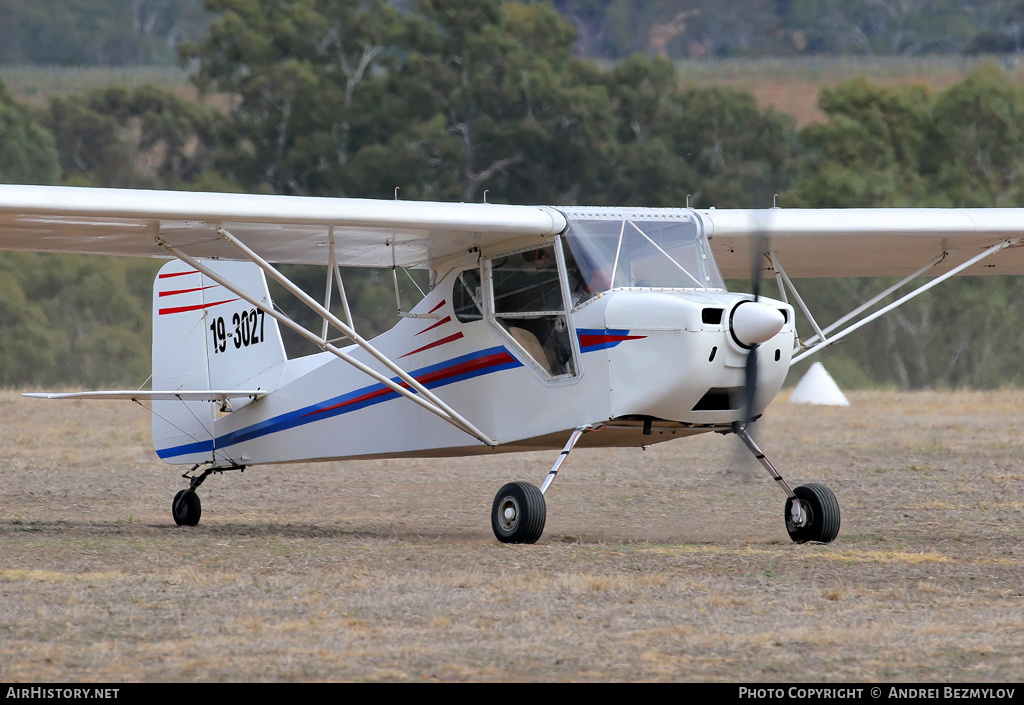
{"type": "Point", "coordinates": [186, 508]}
{"type": "Point", "coordinates": [518, 513]}
{"type": "Point", "coordinates": [822, 510]}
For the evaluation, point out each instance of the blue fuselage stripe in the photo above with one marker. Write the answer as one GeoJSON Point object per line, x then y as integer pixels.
{"type": "Point", "coordinates": [449, 372]}
{"type": "Point", "coordinates": [483, 362]}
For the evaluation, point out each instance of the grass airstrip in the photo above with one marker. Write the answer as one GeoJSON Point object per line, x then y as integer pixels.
{"type": "Point", "coordinates": [665, 564]}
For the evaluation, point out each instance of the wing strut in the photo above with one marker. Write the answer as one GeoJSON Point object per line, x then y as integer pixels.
{"type": "Point", "coordinates": [875, 299]}
{"type": "Point", "coordinates": [820, 339]}
{"type": "Point", "coordinates": [418, 394]}
{"type": "Point", "coordinates": [334, 274]}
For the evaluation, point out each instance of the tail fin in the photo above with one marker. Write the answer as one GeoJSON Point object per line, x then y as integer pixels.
{"type": "Point", "coordinates": [205, 337]}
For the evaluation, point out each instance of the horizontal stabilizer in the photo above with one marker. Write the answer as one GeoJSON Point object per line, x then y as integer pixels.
{"type": "Point", "coordinates": [212, 395]}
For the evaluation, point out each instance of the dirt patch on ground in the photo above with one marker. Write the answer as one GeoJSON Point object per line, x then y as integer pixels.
{"type": "Point", "coordinates": [664, 564]}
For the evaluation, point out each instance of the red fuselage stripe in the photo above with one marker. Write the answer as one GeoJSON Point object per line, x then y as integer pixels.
{"type": "Point", "coordinates": [442, 341]}
{"type": "Point", "coordinates": [587, 341]}
{"type": "Point", "coordinates": [446, 319]}
{"type": "Point", "coordinates": [187, 291]}
{"type": "Point", "coordinates": [182, 309]}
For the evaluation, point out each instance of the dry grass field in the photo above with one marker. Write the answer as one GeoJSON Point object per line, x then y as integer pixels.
{"type": "Point", "coordinates": [787, 84]}
{"type": "Point", "coordinates": [791, 85]}
{"type": "Point", "coordinates": [656, 565]}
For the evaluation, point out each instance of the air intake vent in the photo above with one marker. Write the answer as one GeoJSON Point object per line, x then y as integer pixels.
{"type": "Point", "coordinates": [720, 399]}
{"type": "Point", "coordinates": [711, 316]}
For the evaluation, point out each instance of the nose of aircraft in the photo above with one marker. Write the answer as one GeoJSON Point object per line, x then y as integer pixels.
{"type": "Point", "coordinates": [753, 323]}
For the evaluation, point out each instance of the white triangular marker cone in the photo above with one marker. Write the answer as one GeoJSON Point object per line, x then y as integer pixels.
{"type": "Point", "coordinates": [818, 387]}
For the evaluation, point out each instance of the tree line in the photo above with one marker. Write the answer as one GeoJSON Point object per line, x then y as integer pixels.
{"type": "Point", "coordinates": [129, 32]}
{"type": "Point", "coordinates": [466, 99]}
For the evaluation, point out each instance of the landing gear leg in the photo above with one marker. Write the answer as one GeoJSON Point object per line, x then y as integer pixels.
{"type": "Point", "coordinates": [519, 511]}
{"type": "Point", "coordinates": [812, 512]}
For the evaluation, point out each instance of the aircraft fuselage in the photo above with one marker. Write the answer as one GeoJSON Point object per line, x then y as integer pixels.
{"type": "Point", "coordinates": [528, 344]}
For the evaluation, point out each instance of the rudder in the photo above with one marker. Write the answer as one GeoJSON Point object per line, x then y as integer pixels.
{"type": "Point", "coordinates": [206, 337]}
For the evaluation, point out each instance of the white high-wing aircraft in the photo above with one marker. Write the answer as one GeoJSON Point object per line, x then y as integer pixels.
{"type": "Point", "coordinates": [543, 328]}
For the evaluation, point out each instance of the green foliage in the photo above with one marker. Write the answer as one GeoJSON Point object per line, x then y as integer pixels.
{"type": "Point", "coordinates": [869, 27]}
{"type": "Point", "coordinates": [869, 150]}
{"type": "Point", "coordinates": [726, 28]}
{"type": "Point", "coordinates": [123, 32]}
{"type": "Point", "coordinates": [461, 98]}
{"type": "Point", "coordinates": [497, 90]}
{"type": "Point", "coordinates": [890, 147]}
{"type": "Point", "coordinates": [27, 343]}
{"type": "Point", "coordinates": [65, 318]}
{"type": "Point", "coordinates": [976, 155]}
{"type": "Point", "coordinates": [146, 137]}
{"type": "Point", "coordinates": [713, 143]}
{"type": "Point", "coordinates": [455, 99]}
{"type": "Point", "coordinates": [96, 32]}
{"type": "Point", "coordinates": [82, 319]}
{"type": "Point", "coordinates": [305, 87]}
{"type": "Point", "coordinates": [27, 154]}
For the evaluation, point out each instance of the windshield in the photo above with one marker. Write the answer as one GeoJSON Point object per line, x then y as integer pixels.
{"type": "Point", "coordinates": [637, 249]}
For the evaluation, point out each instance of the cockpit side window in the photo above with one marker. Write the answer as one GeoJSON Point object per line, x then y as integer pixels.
{"type": "Point", "coordinates": [529, 306]}
{"type": "Point", "coordinates": [466, 296]}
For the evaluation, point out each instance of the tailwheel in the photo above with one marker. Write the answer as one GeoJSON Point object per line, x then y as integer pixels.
{"type": "Point", "coordinates": [518, 513]}
{"type": "Point", "coordinates": [820, 515]}
{"type": "Point", "coordinates": [186, 508]}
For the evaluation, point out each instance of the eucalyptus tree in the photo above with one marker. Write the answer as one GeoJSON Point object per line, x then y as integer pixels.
{"type": "Point", "coordinates": [303, 81]}
{"type": "Point", "coordinates": [27, 151]}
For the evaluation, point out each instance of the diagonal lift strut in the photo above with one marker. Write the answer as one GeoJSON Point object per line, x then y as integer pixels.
{"type": "Point", "coordinates": [409, 387]}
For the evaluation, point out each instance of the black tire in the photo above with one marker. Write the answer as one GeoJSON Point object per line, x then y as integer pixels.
{"type": "Point", "coordinates": [528, 512]}
{"type": "Point", "coordinates": [190, 509]}
{"type": "Point", "coordinates": [822, 515]}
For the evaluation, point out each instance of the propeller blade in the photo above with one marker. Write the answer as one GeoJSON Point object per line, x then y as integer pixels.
{"type": "Point", "coordinates": [757, 268]}
{"type": "Point", "coordinates": [750, 371]}
{"type": "Point", "coordinates": [750, 385]}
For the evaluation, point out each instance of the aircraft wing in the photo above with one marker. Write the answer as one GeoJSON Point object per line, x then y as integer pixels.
{"type": "Point", "coordinates": [281, 229]}
{"type": "Point", "coordinates": [147, 395]}
{"type": "Point", "coordinates": [865, 242]}
{"type": "Point", "coordinates": [856, 242]}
